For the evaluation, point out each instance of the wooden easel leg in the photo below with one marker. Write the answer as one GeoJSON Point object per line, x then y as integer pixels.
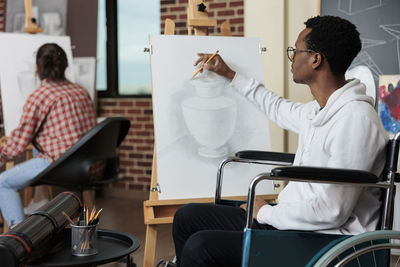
{"type": "Point", "coordinates": [28, 192]}
{"type": "Point", "coordinates": [150, 246]}
{"type": "Point", "coordinates": [88, 198]}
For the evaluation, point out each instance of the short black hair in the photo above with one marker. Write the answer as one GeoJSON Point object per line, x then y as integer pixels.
{"type": "Point", "coordinates": [336, 38]}
{"type": "Point", "coordinates": [51, 62]}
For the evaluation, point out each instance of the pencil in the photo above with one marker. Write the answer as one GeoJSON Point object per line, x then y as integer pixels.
{"type": "Point", "coordinates": [97, 214]}
{"type": "Point", "coordinates": [87, 216]}
{"type": "Point", "coordinates": [202, 65]}
{"type": "Point", "coordinates": [68, 218]}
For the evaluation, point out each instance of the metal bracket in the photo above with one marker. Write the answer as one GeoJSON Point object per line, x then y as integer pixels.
{"type": "Point", "coordinates": [148, 50]}
{"type": "Point", "coordinates": [156, 188]}
{"type": "Point", "coordinates": [262, 49]}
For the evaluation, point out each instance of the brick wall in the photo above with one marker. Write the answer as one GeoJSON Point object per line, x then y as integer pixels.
{"type": "Point", "coordinates": [136, 151]}
{"type": "Point", "coordinates": [221, 10]}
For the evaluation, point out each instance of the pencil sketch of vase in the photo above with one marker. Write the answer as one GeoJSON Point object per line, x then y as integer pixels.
{"type": "Point", "coordinates": [210, 116]}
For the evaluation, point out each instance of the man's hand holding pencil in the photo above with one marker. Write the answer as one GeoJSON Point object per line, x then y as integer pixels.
{"type": "Point", "coordinates": [215, 63]}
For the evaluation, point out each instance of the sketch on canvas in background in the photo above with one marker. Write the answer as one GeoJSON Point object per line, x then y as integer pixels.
{"type": "Point", "coordinates": [49, 15]}
{"type": "Point", "coordinates": [199, 122]}
{"type": "Point", "coordinates": [85, 73]}
{"type": "Point", "coordinates": [17, 71]}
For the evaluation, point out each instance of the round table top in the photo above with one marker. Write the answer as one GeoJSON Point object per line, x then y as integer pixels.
{"type": "Point", "coordinates": [112, 245]}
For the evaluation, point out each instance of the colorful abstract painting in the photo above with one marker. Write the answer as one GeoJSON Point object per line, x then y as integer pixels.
{"type": "Point", "coordinates": [389, 102]}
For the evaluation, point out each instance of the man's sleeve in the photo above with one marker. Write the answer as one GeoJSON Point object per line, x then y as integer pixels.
{"type": "Point", "coordinates": [284, 113]}
{"type": "Point", "coordinates": [355, 144]}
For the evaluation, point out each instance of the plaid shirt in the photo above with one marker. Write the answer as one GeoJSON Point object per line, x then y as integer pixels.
{"type": "Point", "coordinates": [55, 116]}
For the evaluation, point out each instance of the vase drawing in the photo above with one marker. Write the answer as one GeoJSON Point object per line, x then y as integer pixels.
{"type": "Point", "coordinates": [210, 116]}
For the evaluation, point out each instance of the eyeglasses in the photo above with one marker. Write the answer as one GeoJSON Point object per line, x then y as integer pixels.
{"type": "Point", "coordinates": [291, 52]}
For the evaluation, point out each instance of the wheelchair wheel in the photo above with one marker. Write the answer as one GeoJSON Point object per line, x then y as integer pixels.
{"type": "Point", "coordinates": [378, 248]}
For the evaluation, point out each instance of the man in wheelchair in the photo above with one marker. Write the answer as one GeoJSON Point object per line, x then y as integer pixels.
{"type": "Point", "coordinates": [339, 129]}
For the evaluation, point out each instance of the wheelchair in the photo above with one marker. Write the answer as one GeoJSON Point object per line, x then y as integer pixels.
{"type": "Point", "coordinates": [300, 248]}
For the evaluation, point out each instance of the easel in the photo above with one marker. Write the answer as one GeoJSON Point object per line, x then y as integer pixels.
{"type": "Point", "coordinates": [30, 22]}
{"type": "Point", "coordinates": [162, 211]}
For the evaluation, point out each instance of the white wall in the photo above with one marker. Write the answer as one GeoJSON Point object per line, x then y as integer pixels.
{"type": "Point", "coordinates": [277, 23]}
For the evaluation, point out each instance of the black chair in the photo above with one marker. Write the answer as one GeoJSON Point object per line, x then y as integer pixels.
{"type": "Point", "coordinates": [299, 248]}
{"type": "Point", "coordinates": [90, 162]}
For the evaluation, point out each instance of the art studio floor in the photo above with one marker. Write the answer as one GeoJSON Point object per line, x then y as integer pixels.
{"type": "Point", "coordinates": [126, 215]}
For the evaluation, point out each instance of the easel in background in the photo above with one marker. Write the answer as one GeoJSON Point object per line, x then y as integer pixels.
{"type": "Point", "coordinates": [162, 211]}
{"type": "Point", "coordinates": [30, 22]}
{"type": "Point", "coordinates": [30, 27]}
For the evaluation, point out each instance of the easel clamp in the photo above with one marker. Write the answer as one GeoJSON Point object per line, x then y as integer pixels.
{"type": "Point", "coordinates": [148, 50]}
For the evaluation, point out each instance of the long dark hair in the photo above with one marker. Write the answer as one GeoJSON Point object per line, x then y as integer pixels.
{"type": "Point", "coordinates": [51, 62]}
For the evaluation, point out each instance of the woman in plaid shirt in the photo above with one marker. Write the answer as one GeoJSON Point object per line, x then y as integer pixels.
{"type": "Point", "coordinates": [55, 116]}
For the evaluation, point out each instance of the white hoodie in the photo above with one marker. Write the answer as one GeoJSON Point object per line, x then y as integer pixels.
{"type": "Point", "coordinates": [346, 133]}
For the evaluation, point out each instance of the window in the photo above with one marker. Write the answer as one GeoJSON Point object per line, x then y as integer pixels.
{"type": "Point", "coordinates": [123, 69]}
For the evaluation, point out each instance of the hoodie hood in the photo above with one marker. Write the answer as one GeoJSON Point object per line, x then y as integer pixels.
{"type": "Point", "coordinates": [353, 90]}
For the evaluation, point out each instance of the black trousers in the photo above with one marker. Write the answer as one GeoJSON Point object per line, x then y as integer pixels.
{"type": "Point", "coordinates": [210, 235]}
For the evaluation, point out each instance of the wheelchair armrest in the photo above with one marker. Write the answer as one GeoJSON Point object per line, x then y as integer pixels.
{"type": "Point", "coordinates": [313, 175]}
{"type": "Point", "coordinates": [325, 174]}
{"type": "Point", "coordinates": [255, 157]}
{"type": "Point", "coordinates": [265, 156]}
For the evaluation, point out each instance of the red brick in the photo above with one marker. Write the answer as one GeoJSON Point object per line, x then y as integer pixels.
{"type": "Point", "coordinates": [143, 118]}
{"type": "Point", "coordinates": [144, 148]}
{"type": "Point", "coordinates": [177, 9]}
{"type": "Point", "coordinates": [106, 103]}
{"type": "Point", "coordinates": [134, 111]}
{"type": "Point", "coordinates": [235, 4]}
{"type": "Point", "coordinates": [136, 126]}
{"type": "Point", "coordinates": [183, 32]}
{"type": "Point", "coordinates": [240, 11]}
{"type": "Point", "coordinates": [125, 103]}
{"type": "Point", "coordinates": [164, 17]}
{"type": "Point", "coordinates": [142, 133]}
{"type": "Point", "coordinates": [180, 24]}
{"type": "Point", "coordinates": [183, 1]}
{"type": "Point", "coordinates": [143, 103]}
{"type": "Point", "coordinates": [136, 156]}
{"type": "Point", "coordinates": [136, 171]}
{"type": "Point", "coordinates": [118, 111]}
{"type": "Point", "coordinates": [167, 2]}
{"type": "Point", "coordinates": [144, 164]}
{"type": "Point", "coordinates": [226, 13]}
{"type": "Point", "coordinates": [183, 16]}
{"type": "Point", "coordinates": [217, 5]}
{"type": "Point", "coordinates": [236, 20]}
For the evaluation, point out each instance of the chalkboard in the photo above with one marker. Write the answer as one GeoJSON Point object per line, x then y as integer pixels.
{"type": "Point", "coordinates": [378, 22]}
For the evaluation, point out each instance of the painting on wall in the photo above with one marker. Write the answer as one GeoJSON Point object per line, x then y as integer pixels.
{"type": "Point", "coordinates": [51, 16]}
{"type": "Point", "coordinates": [389, 102]}
{"type": "Point", "coordinates": [18, 71]}
{"type": "Point", "coordinates": [201, 121]}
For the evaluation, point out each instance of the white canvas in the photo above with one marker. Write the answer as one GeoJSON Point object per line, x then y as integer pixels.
{"type": "Point", "coordinates": [17, 71]}
{"type": "Point", "coordinates": [85, 74]}
{"type": "Point", "coordinates": [184, 170]}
